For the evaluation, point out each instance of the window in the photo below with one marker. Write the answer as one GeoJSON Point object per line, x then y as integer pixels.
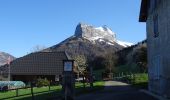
{"type": "Point", "coordinates": [155, 27]}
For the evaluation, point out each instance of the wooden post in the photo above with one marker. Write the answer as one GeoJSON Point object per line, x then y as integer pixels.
{"type": "Point", "coordinates": [32, 92]}
{"type": "Point", "coordinates": [17, 92]}
{"type": "Point", "coordinates": [68, 80]}
{"type": "Point", "coordinates": [66, 89]}
{"type": "Point", "coordinates": [49, 86]}
{"type": "Point", "coordinates": [91, 77]}
{"type": "Point", "coordinates": [134, 77]}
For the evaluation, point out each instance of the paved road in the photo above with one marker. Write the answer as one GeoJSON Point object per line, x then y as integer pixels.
{"type": "Point", "coordinates": [116, 91]}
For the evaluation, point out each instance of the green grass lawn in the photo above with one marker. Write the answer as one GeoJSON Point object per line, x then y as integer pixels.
{"type": "Point", "coordinates": [39, 96]}
{"type": "Point", "coordinates": [141, 77]}
{"type": "Point", "coordinates": [27, 92]}
{"type": "Point", "coordinates": [43, 93]}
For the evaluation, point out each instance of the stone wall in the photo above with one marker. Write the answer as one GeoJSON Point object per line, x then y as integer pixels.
{"type": "Point", "coordinates": [159, 50]}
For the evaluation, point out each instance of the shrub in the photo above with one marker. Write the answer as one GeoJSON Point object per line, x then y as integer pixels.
{"type": "Point", "coordinates": [42, 82]}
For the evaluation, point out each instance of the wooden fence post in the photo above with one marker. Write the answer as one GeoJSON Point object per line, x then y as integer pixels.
{"type": "Point", "coordinates": [17, 92]}
{"type": "Point", "coordinates": [134, 78]}
{"type": "Point", "coordinates": [32, 92]}
{"type": "Point", "coordinates": [49, 86]}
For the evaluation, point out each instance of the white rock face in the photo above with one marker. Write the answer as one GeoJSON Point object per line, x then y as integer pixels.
{"type": "Point", "coordinates": [92, 33]}
{"type": "Point", "coordinates": [99, 34]}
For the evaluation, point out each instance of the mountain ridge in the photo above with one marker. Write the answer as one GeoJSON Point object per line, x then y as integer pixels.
{"type": "Point", "coordinates": [90, 42]}
{"type": "Point", "coordinates": [4, 58]}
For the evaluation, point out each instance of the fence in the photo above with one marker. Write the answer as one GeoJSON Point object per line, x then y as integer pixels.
{"type": "Point", "coordinates": [11, 93]}
{"type": "Point", "coordinates": [131, 78]}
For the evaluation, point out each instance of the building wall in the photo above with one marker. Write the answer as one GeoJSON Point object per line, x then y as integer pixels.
{"type": "Point", "coordinates": [159, 49]}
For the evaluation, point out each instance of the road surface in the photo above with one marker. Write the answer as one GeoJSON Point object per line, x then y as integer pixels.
{"type": "Point", "coordinates": [116, 91]}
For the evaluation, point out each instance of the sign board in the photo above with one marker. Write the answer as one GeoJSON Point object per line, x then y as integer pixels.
{"type": "Point", "coordinates": [68, 65]}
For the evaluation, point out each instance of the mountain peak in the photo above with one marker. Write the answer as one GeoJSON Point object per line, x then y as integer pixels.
{"type": "Point", "coordinates": [90, 32]}
{"type": "Point", "coordinates": [95, 34]}
{"type": "Point", "coordinates": [90, 41]}
{"type": "Point", "coordinates": [83, 24]}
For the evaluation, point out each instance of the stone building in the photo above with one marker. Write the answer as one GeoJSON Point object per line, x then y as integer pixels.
{"type": "Point", "coordinates": [156, 14]}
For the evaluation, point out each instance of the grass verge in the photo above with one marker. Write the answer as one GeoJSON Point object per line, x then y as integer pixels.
{"type": "Point", "coordinates": [43, 93]}
{"type": "Point", "coordinates": [140, 81]}
{"type": "Point", "coordinates": [26, 93]}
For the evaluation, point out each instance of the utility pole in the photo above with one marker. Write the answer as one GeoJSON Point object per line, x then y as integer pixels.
{"type": "Point", "coordinates": [9, 74]}
{"type": "Point", "coordinates": [1, 76]}
{"type": "Point", "coordinates": [9, 70]}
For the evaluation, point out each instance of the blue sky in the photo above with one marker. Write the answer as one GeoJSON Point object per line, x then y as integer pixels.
{"type": "Point", "coordinates": [27, 23]}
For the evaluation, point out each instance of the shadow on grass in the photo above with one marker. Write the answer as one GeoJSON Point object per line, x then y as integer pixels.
{"type": "Point", "coordinates": [37, 96]}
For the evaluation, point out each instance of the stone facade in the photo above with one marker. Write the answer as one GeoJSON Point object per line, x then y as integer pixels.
{"type": "Point", "coordinates": [158, 22]}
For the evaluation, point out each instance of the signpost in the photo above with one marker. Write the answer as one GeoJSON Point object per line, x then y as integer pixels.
{"type": "Point", "coordinates": [68, 80]}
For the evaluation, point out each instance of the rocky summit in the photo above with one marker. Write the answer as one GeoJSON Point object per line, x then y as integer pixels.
{"type": "Point", "coordinates": [98, 34]}
{"type": "Point", "coordinates": [91, 33]}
